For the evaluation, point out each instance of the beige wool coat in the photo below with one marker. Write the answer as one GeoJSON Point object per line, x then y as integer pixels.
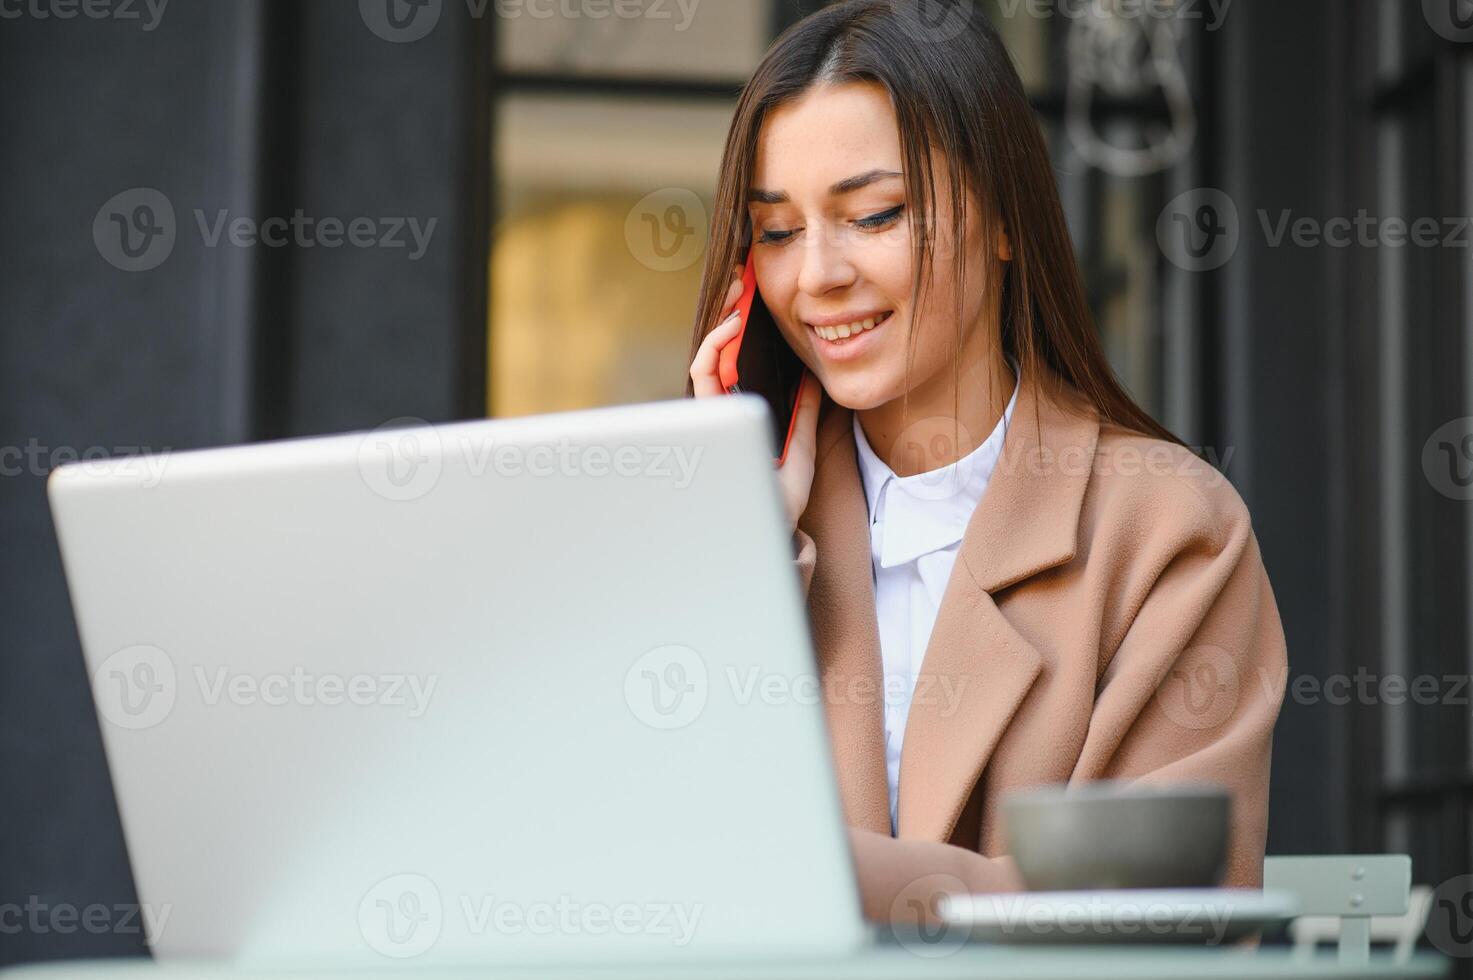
{"type": "Point", "coordinates": [1108, 617]}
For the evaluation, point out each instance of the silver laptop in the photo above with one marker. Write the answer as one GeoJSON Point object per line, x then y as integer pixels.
{"type": "Point", "coordinates": [509, 690]}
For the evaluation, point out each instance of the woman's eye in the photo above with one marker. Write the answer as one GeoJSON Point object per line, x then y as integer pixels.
{"type": "Point", "coordinates": [881, 219]}
{"type": "Point", "coordinates": [870, 222]}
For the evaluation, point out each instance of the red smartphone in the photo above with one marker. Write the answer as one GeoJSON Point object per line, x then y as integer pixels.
{"type": "Point", "coordinates": [759, 360]}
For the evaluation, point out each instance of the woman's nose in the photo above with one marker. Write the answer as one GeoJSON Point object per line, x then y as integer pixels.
{"type": "Point", "coordinates": [826, 265]}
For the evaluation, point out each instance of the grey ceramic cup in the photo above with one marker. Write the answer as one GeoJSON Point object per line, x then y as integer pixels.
{"type": "Point", "coordinates": [1106, 835]}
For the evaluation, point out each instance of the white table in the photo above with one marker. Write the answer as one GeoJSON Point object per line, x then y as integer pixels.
{"type": "Point", "coordinates": [993, 962]}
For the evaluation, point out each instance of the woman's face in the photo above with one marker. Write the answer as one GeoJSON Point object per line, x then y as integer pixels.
{"type": "Point", "coordinates": [832, 248]}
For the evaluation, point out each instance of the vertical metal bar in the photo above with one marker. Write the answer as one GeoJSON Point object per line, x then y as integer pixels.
{"type": "Point", "coordinates": [477, 194]}
{"type": "Point", "coordinates": [1355, 941]}
{"type": "Point", "coordinates": [1393, 395]}
{"type": "Point", "coordinates": [1466, 318]}
{"type": "Point", "coordinates": [1338, 478]}
{"type": "Point", "coordinates": [1236, 390]}
{"type": "Point", "coordinates": [1461, 803]}
{"type": "Point", "coordinates": [1181, 323]}
{"type": "Point", "coordinates": [273, 362]}
{"type": "Point", "coordinates": [228, 318]}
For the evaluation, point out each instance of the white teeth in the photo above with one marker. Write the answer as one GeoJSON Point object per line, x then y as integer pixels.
{"type": "Point", "coordinates": [846, 330]}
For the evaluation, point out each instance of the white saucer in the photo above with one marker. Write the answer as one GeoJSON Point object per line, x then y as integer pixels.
{"type": "Point", "coordinates": [1207, 916]}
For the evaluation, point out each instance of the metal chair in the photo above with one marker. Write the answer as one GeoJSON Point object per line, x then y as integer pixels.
{"type": "Point", "coordinates": [1352, 899]}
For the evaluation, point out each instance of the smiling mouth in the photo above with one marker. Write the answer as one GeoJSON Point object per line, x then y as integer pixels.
{"type": "Point", "coordinates": [844, 331]}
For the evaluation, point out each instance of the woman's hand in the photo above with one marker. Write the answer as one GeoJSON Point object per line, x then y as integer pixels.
{"type": "Point", "coordinates": [705, 379]}
{"type": "Point", "coordinates": [795, 476]}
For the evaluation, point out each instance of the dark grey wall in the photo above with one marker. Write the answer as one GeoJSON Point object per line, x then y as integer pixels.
{"type": "Point", "coordinates": [394, 130]}
{"type": "Point", "coordinates": [1271, 363]}
{"type": "Point", "coordinates": [259, 108]}
{"type": "Point", "coordinates": [92, 356]}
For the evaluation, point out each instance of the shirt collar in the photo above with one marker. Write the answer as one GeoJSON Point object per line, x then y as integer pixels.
{"type": "Point", "coordinates": [914, 515]}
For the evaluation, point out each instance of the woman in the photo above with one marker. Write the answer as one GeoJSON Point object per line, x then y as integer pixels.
{"type": "Point", "coordinates": [1014, 575]}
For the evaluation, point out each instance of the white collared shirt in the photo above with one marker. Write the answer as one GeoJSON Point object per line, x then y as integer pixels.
{"type": "Point", "coordinates": [916, 528]}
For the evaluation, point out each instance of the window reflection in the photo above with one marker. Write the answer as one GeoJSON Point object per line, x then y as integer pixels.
{"type": "Point", "coordinates": [582, 312]}
{"type": "Point", "coordinates": [672, 40]}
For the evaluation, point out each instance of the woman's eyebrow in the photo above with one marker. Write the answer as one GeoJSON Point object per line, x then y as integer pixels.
{"type": "Point", "coordinates": [759, 196]}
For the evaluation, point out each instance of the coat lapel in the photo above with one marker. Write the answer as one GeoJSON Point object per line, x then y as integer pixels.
{"type": "Point", "coordinates": [977, 668]}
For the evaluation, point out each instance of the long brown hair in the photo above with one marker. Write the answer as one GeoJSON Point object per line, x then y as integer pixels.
{"type": "Point", "coordinates": [953, 87]}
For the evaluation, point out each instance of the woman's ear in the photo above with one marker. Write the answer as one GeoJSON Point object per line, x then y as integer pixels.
{"type": "Point", "coordinates": [1004, 247]}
